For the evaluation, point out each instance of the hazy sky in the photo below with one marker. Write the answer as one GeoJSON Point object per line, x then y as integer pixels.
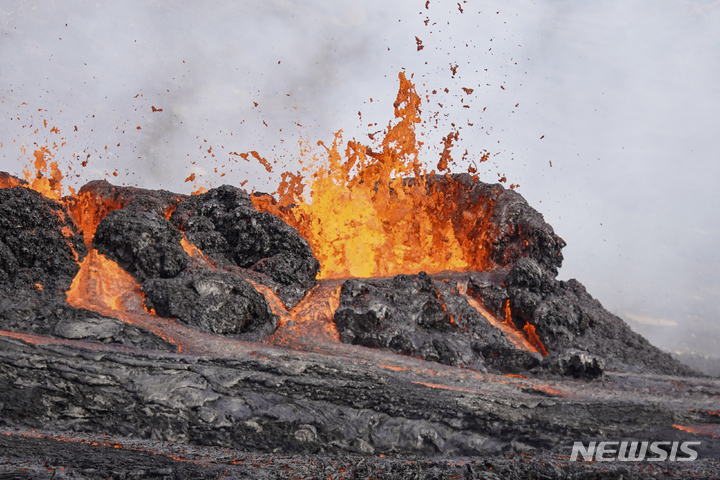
{"type": "Point", "coordinates": [604, 112]}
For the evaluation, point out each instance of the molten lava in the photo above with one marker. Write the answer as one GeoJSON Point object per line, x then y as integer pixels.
{"type": "Point", "coordinates": [102, 285]}
{"type": "Point", "coordinates": [9, 182]}
{"type": "Point", "coordinates": [515, 335]}
{"type": "Point", "coordinates": [375, 213]}
{"type": "Point", "coordinates": [88, 209]}
{"type": "Point", "coordinates": [39, 180]}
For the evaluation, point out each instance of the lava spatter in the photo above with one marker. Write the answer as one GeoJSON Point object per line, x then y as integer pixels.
{"type": "Point", "coordinates": [374, 213]}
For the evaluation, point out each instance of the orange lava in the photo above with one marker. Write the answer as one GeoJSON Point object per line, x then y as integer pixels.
{"type": "Point", "coordinates": [311, 319]}
{"type": "Point", "coordinates": [712, 430]}
{"type": "Point", "coordinates": [393, 367]}
{"type": "Point", "coordinates": [534, 339]}
{"type": "Point", "coordinates": [48, 184]}
{"type": "Point", "coordinates": [103, 287]}
{"type": "Point", "coordinates": [88, 209]}
{"type": "Point", "coordinates": [69, 439]}
{"type": "Point", "coordinates": [373, 213]}
{"type": "Point", "coordinates": [507, 327]}
{"type": "Point", "coordinates": [101, 284]}
{"type": "Point", "coordinates": [9, 182]}
{"type": "Point", "coordinates": [529, 331]}
{"type": "Point", "coordinates": [447, 387]}
{"type": "Point", "coordinates": [550, 390]}
{"type": "Point", "coordinates": [276, 305]}
{"type": "Point", "coordinates": [192, 250]}
{"type": "Point", "coordinates": [34, 339]}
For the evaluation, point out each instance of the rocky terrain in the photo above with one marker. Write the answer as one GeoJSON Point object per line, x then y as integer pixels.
{"type": "Point", "coordinates": [223, 356]}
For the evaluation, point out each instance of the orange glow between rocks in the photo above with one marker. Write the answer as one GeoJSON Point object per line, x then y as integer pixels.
{"type": "Point", "coordinates": [101, 284]}
{"type": "Point", "coordinates": [507, 327]}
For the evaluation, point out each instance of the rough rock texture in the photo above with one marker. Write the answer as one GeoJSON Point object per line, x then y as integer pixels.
{"type": "Point", "coordinates": [224, 224]}
{"type": "Point", "coordinates": [40, 248]}
{"type": "Point", "coordinates": [102, 457]}
{"type": "Point", "coordinates": [497, 223]}
{"type": "Point", "coordinates": [148, 246]}
{"type": "Point", "coordinates": [576, 363]}
{"type": "Point", "coordinates": [412, 315]}
{"type": "Point", "coordinates": [98, 198]}
{"type": "Point", "coordinates": [284, 402]}
{"type": "Point", "coordinates": [240, 409]}
{"type": "Point", "coordinates": [143, 244]}
{"type": "Point", "coordinates": [524, 255]}
{"type": "Point", "coordinates": [213, 301]}
{"type": "Point", "coordinates": [418, 316]}
{"type": "Point", "coordinates": [567, 318]}
{"type": "Point", "coordinates": [39, 244]}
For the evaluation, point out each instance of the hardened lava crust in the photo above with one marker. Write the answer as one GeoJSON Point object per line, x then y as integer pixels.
{"type": "Point", "coordinates": [146, 334]}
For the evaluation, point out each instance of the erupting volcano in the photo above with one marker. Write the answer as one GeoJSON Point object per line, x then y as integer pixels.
{"type": "Point", "coordinates": [387, 309]}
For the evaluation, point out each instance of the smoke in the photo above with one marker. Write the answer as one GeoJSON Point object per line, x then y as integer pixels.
{"type": "Point", "coordinates": [603, 112]}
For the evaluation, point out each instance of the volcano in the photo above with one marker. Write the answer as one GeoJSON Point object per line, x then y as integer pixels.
{"type": "Point", "coordinates": [132, 318]}
{"type": "Point", "coordinates": [397, 324]}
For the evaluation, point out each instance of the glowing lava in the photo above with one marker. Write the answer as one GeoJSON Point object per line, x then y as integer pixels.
{"type": "Point", "coordinates": [101, 284]}
{"type": "Point", "coordinates": [515, 335]}
{"type": "Point", "coordinates": [375, 213]}
{"type": "Point", "coordinates": [712, 430]}
{"type": "Point", "coordinates": [311, 319]}
{"type": "Point", "coordinates": [47, 184]}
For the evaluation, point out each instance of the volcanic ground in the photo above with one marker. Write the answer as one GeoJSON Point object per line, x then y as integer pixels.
{"type": "Point", "coordinates": [148, 334]}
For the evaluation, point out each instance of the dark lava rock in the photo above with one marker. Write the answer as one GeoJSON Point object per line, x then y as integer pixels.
{"type": "Point", "coordinates": [576, 363]}
{"type": "Point", "coordinates": [98, 198]}
{"type": "Point", "coordinates": [144, 244]}
{"type": "Point", "coordinates": [224, 224]}
{"type": "Point", "coordinates": [44, 457]}
{"type": "Point", "coordinates": [497, 227]}
{"type": "Point", "coordinates": [418, 316]}
{"type": "Point", "coordinates": [135, 234]}
{"type": "Point", "coordinates": [276, 401]}
{"type": "Point", "coordinates": [566, 318]}
{"type": "Point", "coordinates": [39, 244]}
{"type": "Point", "coordinates": [212, 301]}
{"type": "Point", "coordinates": [509, 359]}
{"type": "Point", "coordinates": [497, 224]}
{"type": "Point", "coordinates": [40, 248]}
{"type": "Point", "coordinates": [26, 312]}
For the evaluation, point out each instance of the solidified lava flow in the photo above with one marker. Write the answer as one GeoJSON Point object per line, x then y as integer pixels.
{"type": "Point", "coordinates": [391, 311]}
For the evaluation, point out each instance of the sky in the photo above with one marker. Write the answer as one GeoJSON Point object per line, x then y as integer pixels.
{"type": "Point", "coordinates": [605, 113]}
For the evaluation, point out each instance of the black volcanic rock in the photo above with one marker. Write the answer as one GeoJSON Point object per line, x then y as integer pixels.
{"type": "Point", "coordinates": [99, 197]}
{"type": "Point", "coordinates": [38, 247]}
{"type": "Point", "coordinates": [576, 363]}
{"type": "Point", "coordinates": [278, 402]}
{"type": "Point", "coordinates": [135, 234]}
{"type": "Point", "coordinates": [212, 301]}
{"type": "Point", "coordinates": [144, 244]}
{"type": "Point", "coordinates": [492, 222]}
{"type": "Point", "coordinates": [567, 318]}
{"type": "Point", "coordinates": [224, 224]}
{"type": "Point", "coordinates": [234, 408]}
{"type": "Point", "coordinates": [496, 224]}
{"type": "Point", "coordinates": [39, 244]}
{"type": "Point", "coordinates": [427, 318]}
